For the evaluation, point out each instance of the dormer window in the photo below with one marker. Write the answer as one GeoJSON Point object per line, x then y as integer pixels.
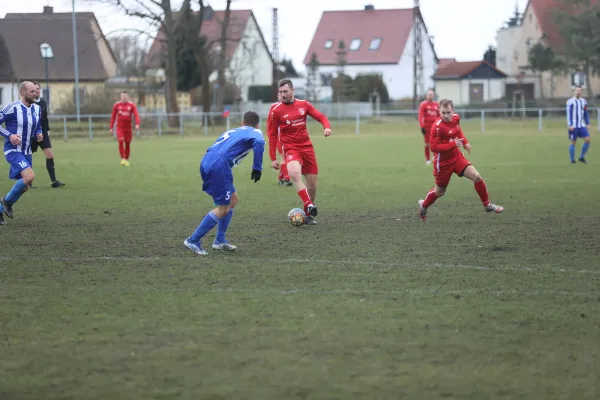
{"type": "Point", "coordinates": [354, 44]}
{"type": "Point", "coordinates": [375, 44]}
{"type": "Point", "coordinates": [329, 44]}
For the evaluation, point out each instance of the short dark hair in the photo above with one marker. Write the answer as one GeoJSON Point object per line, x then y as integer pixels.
{"type": "Point", "coordinates": [36, 83]}
{"type": "Point", "coordinates": [124, 92]}
{"type": "Point", "coordinates": [251, 119]}
{"type": "Point", "coordinates": [446, 102]}
{"type": "Point", "coordinates": [576, 87]}
{"type": "Point", "coordinates": [286, 81]}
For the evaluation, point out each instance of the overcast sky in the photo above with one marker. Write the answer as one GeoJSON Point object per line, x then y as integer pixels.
{"type": "Point", "coordinates": [462, 29]}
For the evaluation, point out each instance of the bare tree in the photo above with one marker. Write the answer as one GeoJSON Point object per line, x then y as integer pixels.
{"type": "Point", "coordinates": [157, 14]}
{"type": "Point", "coordinates": [130, 52]}
{"type": "Point", "coordinates": [221, 79]}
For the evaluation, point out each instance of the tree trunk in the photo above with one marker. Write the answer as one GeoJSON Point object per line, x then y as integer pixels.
{"type": "Point", "coordinates": [223, 58]}
{"type": "Point", "coordinates": [541, 81]}
{"type": "Point", "coordinates": [205, 75]}
{"type": "Point", "coordinates": [170, 65]}
{"type": "Point", "coordinates": [588, 83]}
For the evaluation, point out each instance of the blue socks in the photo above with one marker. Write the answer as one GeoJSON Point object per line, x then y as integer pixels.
{"type": "Point", "coordinates": [209, 222]}
{"type": "Point", "coordinates": [584, 149]}
{"type": "Point", "coordinates": [572, 151]}
{"type": "Point", "coordinates": [17, 190]}
{"type": "Point", "coordinates": [223, 225]}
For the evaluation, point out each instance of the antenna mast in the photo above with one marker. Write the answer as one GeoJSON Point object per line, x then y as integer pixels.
{"type": "Point", "coordinates": [275, 47]}
{"type": "Point", "coordinates": [417, 54]}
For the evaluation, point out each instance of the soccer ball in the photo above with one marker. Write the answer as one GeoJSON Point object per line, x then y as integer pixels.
{"type": "Point", "coordinates": [297, 216]}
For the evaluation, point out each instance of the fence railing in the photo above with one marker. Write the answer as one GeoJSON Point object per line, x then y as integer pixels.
{"type": "Point", "coordinates": [197, 123]}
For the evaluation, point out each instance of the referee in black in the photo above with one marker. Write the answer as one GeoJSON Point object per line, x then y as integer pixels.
{"type": "Point", "coordinates": [45, 144]}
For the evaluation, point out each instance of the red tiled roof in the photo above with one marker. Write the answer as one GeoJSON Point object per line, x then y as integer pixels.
{"type": "Point", "coordinates": [445, 61]}
{"type": "Point", "coordinates": [544, 11]}
{"type": "Point", "coordinates": [460, 69]}
{"type": "Point", "coordinates": [211, 29]}
{"type": "Point", "coordinates": [392, 26]}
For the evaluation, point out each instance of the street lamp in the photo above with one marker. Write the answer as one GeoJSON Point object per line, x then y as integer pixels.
{"type": "Point", "coordinates": [47, 54]}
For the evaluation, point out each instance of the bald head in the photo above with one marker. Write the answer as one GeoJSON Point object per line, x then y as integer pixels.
{"type": "Point", "coordinates": [28, 92]}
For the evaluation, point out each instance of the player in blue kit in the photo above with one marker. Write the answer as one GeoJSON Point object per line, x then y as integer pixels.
{"type": "Point", "coordinates": [226, 152]}
{"type": "Point", "coordinates": [22, 126]}
{"type": "Point", "coordinates": [578, 119]}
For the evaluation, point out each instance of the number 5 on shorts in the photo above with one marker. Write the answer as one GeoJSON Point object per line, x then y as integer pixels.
{"type": "Point", "coordinates": [228, 196]}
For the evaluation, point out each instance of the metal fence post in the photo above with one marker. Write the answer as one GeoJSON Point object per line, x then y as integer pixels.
{"type": "Point", "coordinates": [598, 127]}
{"type": "Point", "coordinates": [358, 123]}
{"type": "Point", "coordinates": [65, 126]}
{"type": "Point", "coordinates": [205, 122]}
{"type": "Point", "coordinates": [540, 120]}
{"type": "Point", "coordinates": [229, 122]}
{"type": "Point", "coordinates": [90, 128]}
{"type": "Point", "coordinates": [181, 124]}
{"type": "Point", "coordinates": [482, 121]}
{"type": "Point", "coordinates": [159, 122]}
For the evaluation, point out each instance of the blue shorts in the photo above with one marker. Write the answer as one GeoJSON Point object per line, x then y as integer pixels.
{"type": "Point", "coordinates": [217, 179]}
{"type": "Point", "coordinates": [18, 163]}
{"type": "Point", "coordinates": [578, 133]}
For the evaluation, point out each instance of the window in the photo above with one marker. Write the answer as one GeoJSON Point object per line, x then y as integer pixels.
{"type": "Point", "coordinates": [329, 44]}
{"type": "Point", "coordinates": [354, 44]}
{"type": "Point", "coordinates": [375, 44]}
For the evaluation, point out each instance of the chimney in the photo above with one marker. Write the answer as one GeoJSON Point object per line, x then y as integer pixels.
{"type": "Point", "coordinates": [208, 13]}
{"type": "Point", "coordinates": [369, 7]}
{"type": "Point", "coordinates": [48, 10]}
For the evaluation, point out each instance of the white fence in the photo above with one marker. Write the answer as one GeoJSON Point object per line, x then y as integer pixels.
{"type": "Point", "coordinates": [198, 123]}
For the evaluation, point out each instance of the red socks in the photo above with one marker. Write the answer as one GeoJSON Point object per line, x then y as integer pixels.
{"type": "Point", "coordinates": [283, 173]}
{"type": "Point", "coordinates": [305, 199]}
{"type": "Point", "coordinates": [430, 199]}
{"type": "Point", "coordinates": [122, 149]}
{"type": "Point", "coordinates": [427, 154]}
{"type": "Point", "coordinates": [127, 150]}
{"type": "Point", "coordinates": [481, 190]}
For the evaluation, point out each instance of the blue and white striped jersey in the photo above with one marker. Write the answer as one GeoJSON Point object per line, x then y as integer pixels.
{"type": "Point", "coordinates": [23, 121]}
{"type": "Point", "coordinates": [577, 113]}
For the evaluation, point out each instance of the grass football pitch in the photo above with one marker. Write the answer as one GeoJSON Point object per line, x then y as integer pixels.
{"type": "Point", "coordinates": [100, 300]}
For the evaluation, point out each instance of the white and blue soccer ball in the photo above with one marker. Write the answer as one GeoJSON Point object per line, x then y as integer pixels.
{"type": "Point", "coordinates": [297, 216]}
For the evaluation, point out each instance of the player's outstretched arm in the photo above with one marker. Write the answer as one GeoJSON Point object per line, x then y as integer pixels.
{"type": "Point", "coordinates": [319, 116]}
{"type": "Point", "coordinates": [272, 132]}
{"type": "Point", "coordinates": [112, 118]}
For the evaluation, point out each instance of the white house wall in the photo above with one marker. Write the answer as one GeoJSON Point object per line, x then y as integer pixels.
{"type": "Point", "coordinates": [507, 55]}
{"type": "Point", "coordinates": [10, 93]}
{"type": "Point", "coordinates": [397, 77]}
{"type": "Point", "coordinates": [449, 90]}
{"type": "Point", "coordinates": [251, 63]}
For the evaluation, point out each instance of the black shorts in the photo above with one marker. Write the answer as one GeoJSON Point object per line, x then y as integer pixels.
{"type": "Point", "coordinates": [44, 144]}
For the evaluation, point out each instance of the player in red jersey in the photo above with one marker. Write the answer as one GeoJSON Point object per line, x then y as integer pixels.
{"type": "Point", "coordinates": [122, 113]}
{"type": "Point", "coordinates": [429, 112]}
{"type": "Point", "coordinates": [284, 178]}
{"type": "Point", "coordinates": [288, 118]}
{"type": "Point", "coordinates": [445, 140]}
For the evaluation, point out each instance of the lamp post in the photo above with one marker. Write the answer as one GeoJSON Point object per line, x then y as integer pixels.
{"type": "Point", "coordinates": [75, 61]}
{"type": "Point", "coordinates": [47, 54]}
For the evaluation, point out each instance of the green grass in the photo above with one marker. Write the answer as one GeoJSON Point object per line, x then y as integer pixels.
{"type": "Point", "coordinates": [99, 299]}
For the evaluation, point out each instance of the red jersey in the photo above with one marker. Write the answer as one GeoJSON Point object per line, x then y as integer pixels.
{"type": "Point", "coordinates": [441, 141]}
{"type": "Point", "coordinates": [290, 120]}
{"type": "Point", "coordinates": [429, 112]}
{"type": "Point", "coordinates": [123, 112]}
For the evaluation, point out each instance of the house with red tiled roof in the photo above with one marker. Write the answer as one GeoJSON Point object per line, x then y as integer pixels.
{"type": "Point", "coordinates": [469, 82]}
{"type": "Point", "coordinates": [376, 41]}
{"type": "Point", "coordinates": [249, 59]}
{"type": "Point", "coordinates": [513, 43]}
{"type": "Point", "coordinates": [21, 35]}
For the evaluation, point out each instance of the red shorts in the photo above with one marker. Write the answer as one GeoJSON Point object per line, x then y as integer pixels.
{"type": "Point", "coordinates": [443, 174]}
{"type": "Point", "coordinates": [306, 158]}
{"type": "Point", "coordinates": [124, 135]}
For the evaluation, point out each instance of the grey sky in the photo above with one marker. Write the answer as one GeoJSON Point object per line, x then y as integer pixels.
{"type": "Point", "coordinates": [461, 28]}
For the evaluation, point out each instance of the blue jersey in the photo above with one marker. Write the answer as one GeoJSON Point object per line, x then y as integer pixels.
{"type": "Point", "coordinates": [577, 113]}
{"type": "Point", "coordinates": [23, 121]}
{"type": "Point", "coordinates": [235, 144]}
